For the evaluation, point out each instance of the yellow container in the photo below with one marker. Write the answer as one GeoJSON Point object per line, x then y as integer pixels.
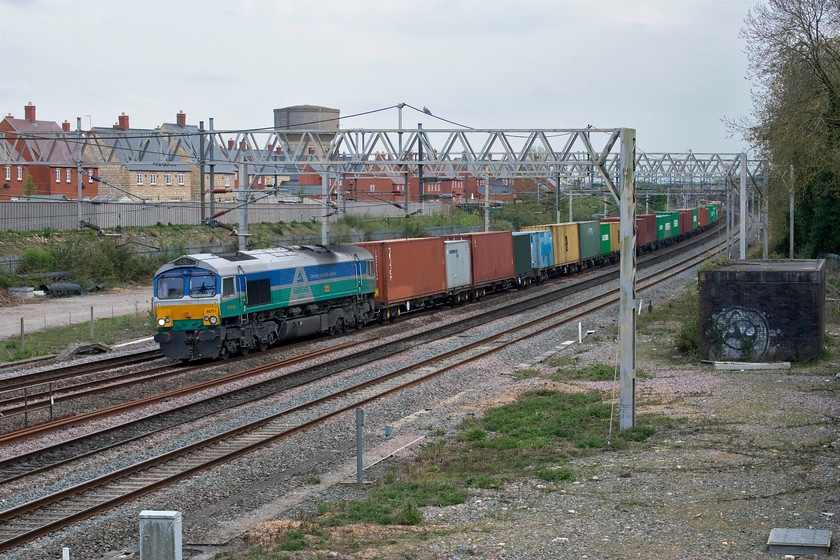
{"type": "Point", "coordinates": [615, 238]}
{"type": "Point", "coordinates": [565, 240]}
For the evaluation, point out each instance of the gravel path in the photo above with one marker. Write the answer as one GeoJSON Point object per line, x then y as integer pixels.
{"type": "Point", "coordinates": [42, 312]}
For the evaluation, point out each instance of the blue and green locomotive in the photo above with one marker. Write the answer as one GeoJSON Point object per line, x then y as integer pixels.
{"type": "Point", "coordinates": [215, 305]}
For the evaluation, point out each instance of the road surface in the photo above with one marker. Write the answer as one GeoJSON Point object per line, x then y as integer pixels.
{"type": "Point", "coordinates": [44, 312]}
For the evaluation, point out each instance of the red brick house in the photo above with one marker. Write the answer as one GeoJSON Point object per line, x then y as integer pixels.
{"type": "Point", "coordinates": [49, 179]}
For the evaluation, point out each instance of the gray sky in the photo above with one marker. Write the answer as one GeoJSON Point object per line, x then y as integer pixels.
{"type": "Point", "coordinates": [669, 68]}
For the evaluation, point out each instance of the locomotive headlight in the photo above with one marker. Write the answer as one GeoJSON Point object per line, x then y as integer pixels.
{"type": "Point", "coordinates": [206, 319]}
{"type": "Point", "coordinates": [213, 320]}
{"type": "Point", "coordinates": [161, 322]}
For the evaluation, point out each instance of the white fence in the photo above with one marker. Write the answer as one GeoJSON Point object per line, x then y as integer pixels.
{"type": "Point", "coordinates": [35, 216]}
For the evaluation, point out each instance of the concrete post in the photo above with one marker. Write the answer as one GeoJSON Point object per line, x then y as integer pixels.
{"type": "Point", "coordinates": [360, 422]}
{"type": "Point", "coordinates": [627, 316]}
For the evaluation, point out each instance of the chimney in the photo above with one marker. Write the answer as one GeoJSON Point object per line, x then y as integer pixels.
{"type": "Point", "coordinates": [230, 143]}
{"type": "Point", "coordinates": [29, 112]}
{"type": "Point", "coordinates": [9, 116]}
{"type": "Point", "coordinates": [65, 126]}
{"type": "Point", "coordinates": [123, 124]}
{"type": "Point", "coordinates": [181, 118]}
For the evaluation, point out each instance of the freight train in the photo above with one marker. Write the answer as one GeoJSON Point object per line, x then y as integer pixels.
{"type": "Point", "coordinates": [216, 305]}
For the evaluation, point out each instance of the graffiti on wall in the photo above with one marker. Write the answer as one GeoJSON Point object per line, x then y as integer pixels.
{"type": "Point", "coordinates": [739, 333]}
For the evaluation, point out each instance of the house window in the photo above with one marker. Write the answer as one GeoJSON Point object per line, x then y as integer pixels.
{"type": "Point", "coordinates": [180, 178]}
{"type": "Point", "coordinates": [9, 172]}
{"type": "Point", "coordinates": [227, 180]}
{"type": "Point", "coordinates": [139, 178]}
{"type": "Point", "coordinates": [69, 171]}
{"type": "Point", "coordinates": [373, 188]}
{"type": "Point", "coordinates": [153, 179]}
{"type": "Point", "coordinates": [168, 178]}
{"type": "Point", "coordinates": [20, 173]}
{"type": "Point", "coordinates": [58, 175]}
{"type": "Point", "coordinates": [90, 175]}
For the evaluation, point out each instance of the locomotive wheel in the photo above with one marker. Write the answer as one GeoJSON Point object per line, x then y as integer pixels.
{"type": "Point", "coordinates": [244, 349]}
{"type": "Point", "coordinates": [262, 344]}
{"type": "Point", "coordinates": [224, 353]}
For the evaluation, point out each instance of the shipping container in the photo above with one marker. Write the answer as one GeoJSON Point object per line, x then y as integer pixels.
{"type": "Point", "coordinates": [605, 238]}
{"type": "Point", "coordinates": [458, 264]}
{"type": "Point", "coordinates": [663, 225]}
{"type": "Point", "coordinates": [589, 234]}
{"type": "Point", "coordinates": [686, 223]}
{"type": "Point", "coordinates": [615, 236]}
{"type": "Point", "coordinates": [564, 238]}
{"type": "Point", "coordinates": [492, 256]}
{"type": "Point", "coordinates": [702, 216]}
{"type": "Point", "coordinates": [523, 262]}
{"type": "Point", "coordinates": [694, 218]}
{"type": "Point", "coordinates": [645, 229]}
{"type": "Point", "coordinates": [542, 250]}
{"type": "Point", "coordinates": [675, 223]}
{"type": "Point", "coordinates": [407, 269]}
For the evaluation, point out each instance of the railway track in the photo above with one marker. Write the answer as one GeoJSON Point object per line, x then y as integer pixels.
{"type": "Point", "coordinates": [25, 522]}
{"type": "Point", "coordinates": [250, 394]}
{"type": "Point", "coordinates": [54, 374]}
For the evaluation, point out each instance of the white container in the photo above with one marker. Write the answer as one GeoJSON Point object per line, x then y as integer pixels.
{"type": "Point", "coordinates": [458, 269]}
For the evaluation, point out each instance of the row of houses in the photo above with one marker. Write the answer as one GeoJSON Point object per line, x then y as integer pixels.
{"type": "Point", "coordinates": [179, 177]}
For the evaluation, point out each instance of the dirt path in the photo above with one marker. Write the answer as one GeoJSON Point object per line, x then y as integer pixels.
{"type": "Point", "coordinates": [44, 312]}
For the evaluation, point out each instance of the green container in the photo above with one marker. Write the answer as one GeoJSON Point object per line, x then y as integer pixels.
{"type": "Point", "coordinates": [590, 239]}
{"type": "Point", "coordinates": [663, 225]}
{"type": "Point", "coordinates": [605, 239]}
{"type": "Point", "coordinates": [694, 218]}
{"type": "Point", "coordinates": [522, 253]}
{"type": "Point", "coordinates": [675, 223]}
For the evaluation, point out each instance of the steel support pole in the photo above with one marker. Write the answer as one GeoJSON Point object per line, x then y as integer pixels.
{"type": "Point", "coordinates": [201, 163]}
{"type": "Point", "coordinates": [728, 222]}
{"type": "Point", "coordinates": [791, 212]}
{"type": "Point", "coordinates": [325, 181]}
{"type": "Point", "coordinates": [243, 208]}
{"type": "Point", "coordinates": [79, 172]}
{"type": "Point", "coordinates": [212, 169]}
{"type": "Point", "coordinates": [764, 208]}
{"type": "Point", "coordinates": [627, 315]}
{"type": "Point", "coordinates": [570, 205]}
{"type": "Point", "coordinates": [556, 198]}
{"type": "Point", "coordinates": [743, 208]}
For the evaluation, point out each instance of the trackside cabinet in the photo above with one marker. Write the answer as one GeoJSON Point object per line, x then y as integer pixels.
{"type": "Point", "coordinates": [160, 535]}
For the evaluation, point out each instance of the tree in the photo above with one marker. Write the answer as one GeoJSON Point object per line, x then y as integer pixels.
{"type": "Point", "coordinates": [29, 187]}
{"type": "Point", "coordinates": [793, 48]}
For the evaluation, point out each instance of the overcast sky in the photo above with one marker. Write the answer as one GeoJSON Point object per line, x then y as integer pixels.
{"type": "Point", "coordinates": [669, 68]}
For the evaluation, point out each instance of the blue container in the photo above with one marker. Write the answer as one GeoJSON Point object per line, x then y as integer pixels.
{"type": "Point", "coordinates": [542, 250]}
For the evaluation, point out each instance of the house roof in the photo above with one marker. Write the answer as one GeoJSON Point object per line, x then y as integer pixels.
{"type": "Point", "coordinates": [192, 144]}
{"type": "Point", "coordinates": [128, 144]}
{"type": "Point", "coordinates": [37, 146]}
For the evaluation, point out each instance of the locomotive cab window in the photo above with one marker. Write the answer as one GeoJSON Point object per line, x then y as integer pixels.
{"type": "Point", "coordinates": [202, 286]}
{"type": "Point", "coordinates": [171, 287]}
{"type": "Point", "coordinates": [228, 288]}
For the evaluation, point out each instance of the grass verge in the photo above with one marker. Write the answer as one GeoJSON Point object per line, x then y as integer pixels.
{"type": "Point", "coordinates": [535, 437]}
{"type": "Point", "coordinates": [53, 341]}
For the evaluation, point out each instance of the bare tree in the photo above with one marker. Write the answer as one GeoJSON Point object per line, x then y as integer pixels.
{"type": "Point", "coordinates": [793, 49]}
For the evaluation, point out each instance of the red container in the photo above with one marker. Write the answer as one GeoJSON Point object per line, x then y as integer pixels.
{"type": "Point", "coordinates": [686, 220]}
{"type": "Point", "coordinates": [492, 255]}
{"type": "Point", "coordinates": [702, 216]}
{"type": "Point", "coordinates": [407, 268]}
{"type": "Point", "coordinates": [645, 229]}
